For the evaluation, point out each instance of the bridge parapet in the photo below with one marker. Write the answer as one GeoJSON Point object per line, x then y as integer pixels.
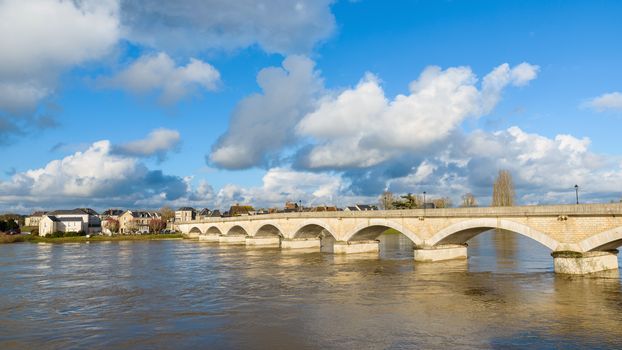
{"type": "Point", "coordinates": [613, 209]}
{"type": "Point", "coordinates": [562, 228]}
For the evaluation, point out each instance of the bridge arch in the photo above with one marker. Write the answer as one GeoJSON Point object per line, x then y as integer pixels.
{"type": "Point", "coordinates": [608, 240]}
{"type": "Point", "coordinates": [213, 230]}
{"type": "Point", "coordinates": [269, 230]}
{"type": "Point", "coordinates": [237, 230]}
{"type": "Point", "coordinates": [375, 227]}
{"type": "Point", "coordinates": [195, 230]}
{"type": "Point", "coordinates": [314, 229]}
{"type": "Point", "coordinates": [461, 232]}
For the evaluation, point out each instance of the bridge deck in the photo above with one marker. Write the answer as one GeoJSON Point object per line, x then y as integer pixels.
{"type": "Point", "coordinates": [613, 209]}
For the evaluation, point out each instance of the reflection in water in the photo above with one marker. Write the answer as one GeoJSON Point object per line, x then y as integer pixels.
{"type": "Point", "coordinates": [182, 294]}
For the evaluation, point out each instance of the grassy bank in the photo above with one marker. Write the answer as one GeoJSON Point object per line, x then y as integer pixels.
{"type": "Point", "coordinates": [78, 239]}
{"type": "Point", "coordinates": [13, 238]}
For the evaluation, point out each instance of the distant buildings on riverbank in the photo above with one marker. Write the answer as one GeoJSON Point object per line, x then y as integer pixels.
{"type": "Point", "coordinates": [118, 221]}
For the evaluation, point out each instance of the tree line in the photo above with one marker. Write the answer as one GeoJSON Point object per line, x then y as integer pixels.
{"type": "Point", "coordinates": [503, 195]}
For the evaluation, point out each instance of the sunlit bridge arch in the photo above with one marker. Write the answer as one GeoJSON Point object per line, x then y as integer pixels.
{"type": "Point", "coordinates": [313, 229]}
{"type": "Point", "coordinates": [195, 230]}
{"type": "Point", "coordinates": [375, 228]}
{"type": "Point", "coordinates": [269, 230]}
{"type": "Point", "coordinates": [463, 231]}
{"type": "Point", "coordinates": [237, 230]}
{"type": "Point", "coordinates": [608, 240]}
{"type": "Point", "coordinates": [213, 230]}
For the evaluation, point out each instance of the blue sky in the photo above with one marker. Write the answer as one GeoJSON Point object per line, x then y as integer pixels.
{"type": "Point", "coordinates": [204, 103]}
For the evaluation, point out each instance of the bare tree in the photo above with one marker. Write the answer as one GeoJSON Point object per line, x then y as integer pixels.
{"type": "Point", "coordinates": [111, 224]}
{"type": "Point", "coordinates": [468, 200]}
{"type": "Point", "coordinates": [444, 202]}
{"type": "Point", "coordinates": [156, 225]}
{"type": "Point", "coordinates": [386, 200]}
{"type": "Point", "coordinates": [166, 213]}
{"type": "Point", "coordinates": [503, 190]}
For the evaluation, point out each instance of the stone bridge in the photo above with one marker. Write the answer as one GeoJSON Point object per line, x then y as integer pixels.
{"type": "Point", "coordinates": [582, 238]}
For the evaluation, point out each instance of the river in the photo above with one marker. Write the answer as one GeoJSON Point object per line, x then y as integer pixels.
{"type": "Point", "coordinates": [189, 295]}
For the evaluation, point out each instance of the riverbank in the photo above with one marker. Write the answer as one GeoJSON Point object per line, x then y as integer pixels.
{"type": "Point", "coordinates": [36, 239]}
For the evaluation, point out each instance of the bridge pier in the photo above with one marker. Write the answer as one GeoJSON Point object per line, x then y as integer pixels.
{"type": "Point", "coordinates": [354, 247]}
{"type": "Point", "coordinates": [301, 243]}
{"type": "Point", "coordinates": [263, 241]}
{"type": "Point", "coordinates": [210, 237]}
{"type": "Point", "coordinates": [440, 252]}
{"type": "Point", "coordinates": [575, 263]}
{"type": "Point", "coordinates": [237, 239]}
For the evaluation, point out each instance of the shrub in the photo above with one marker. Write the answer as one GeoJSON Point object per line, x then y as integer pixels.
{"type": "Point", "coordinates": [59, 234]}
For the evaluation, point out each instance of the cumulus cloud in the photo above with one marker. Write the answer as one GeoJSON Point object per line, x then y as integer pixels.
{"type": "Point", "coordinates": [606, 102]}
{"type": "Point", "coordinates": [280, 26]}
{"type": "Point", "coordinates": [157, 143]}
{"type": "Point", "coordinates": [373, 128]}
{"type": "Point", "coordinates": [93, 176]}
{"type": "Point", "coordinates": [544, 169]}
{"type": "Point", "coordinates": [159, 74]}
{"type": "Point", "coordinates": [264, 123]}
{"type": "Point", "coordinates": [284, 184]}
{"type": "Point", "coordinates": [42, 38]}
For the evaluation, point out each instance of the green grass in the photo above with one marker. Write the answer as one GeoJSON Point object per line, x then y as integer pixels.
{"type": "Point", "coordinates": [78, 239]}
{"type": "Point", "coordinates": [12, 238]}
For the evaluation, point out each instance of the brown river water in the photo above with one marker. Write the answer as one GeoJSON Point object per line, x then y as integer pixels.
{"type": "Point", "coordinates": [192, 295]}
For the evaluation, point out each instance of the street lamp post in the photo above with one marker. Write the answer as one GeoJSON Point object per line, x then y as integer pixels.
{"type": "Point", "coordinates": [423, 203]}
{"type": "Point", "coordinates": [576, 189]}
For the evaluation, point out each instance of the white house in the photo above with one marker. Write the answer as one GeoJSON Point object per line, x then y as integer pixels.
{"type": "Point", "coordinates": [34, 218]}
{"type": "Point", "coordinates": [74, 220]}
{"type": "Point", "coordinates": [185, 214]}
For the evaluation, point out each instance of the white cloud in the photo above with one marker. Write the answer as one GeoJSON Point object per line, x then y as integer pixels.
{"type": "Point", "coordinates": [17, 97]}
{"type": "Point", "coordinates": [544, 169]}
{"type": "Point", "coordinates": [158, 143]}
{"type": "Point", "coordinates": [372, 128]}
{"type": "Point", "coordinates": [281, 26]}
{"type": "Point", "coordinates": [284, 184]}
{"type": "Point", "coordinates": [606, 102]}
{"type": "Point", "coordinates": [264, 123]}
{"type": "Point", "coordinates": [160, 74]}
{"type": "Point", "coordinates": [93, 176]}
{"type": "Point", "coordinates": [541, 162]}
{"type": "Point", "coordinates": [41, 38]}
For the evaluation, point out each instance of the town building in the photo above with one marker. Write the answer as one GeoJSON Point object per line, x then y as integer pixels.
{"type": "Point", "coordinates": [111, 213]}
{"type": "Point", "coordinates": [203, 214]}
{"type": "Point", "coordinates": [241, 210]}
{"type": "Point", "coordinates": [185, 214]}
{"type": "Point", "coordinates": [321, 208]}
{"type": "Point", "coordinates": [291, 207]}
{"type": "Point", "coordinates": [106, 217]}
{"type": "Point", "coordinates": [360, 207]}
{"type": "Point", "coordinates": [75, 220]}
{"type": "Point", "coordinates": [34, 218]}
{"type": "Point", "coordinates": [137, 221]}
